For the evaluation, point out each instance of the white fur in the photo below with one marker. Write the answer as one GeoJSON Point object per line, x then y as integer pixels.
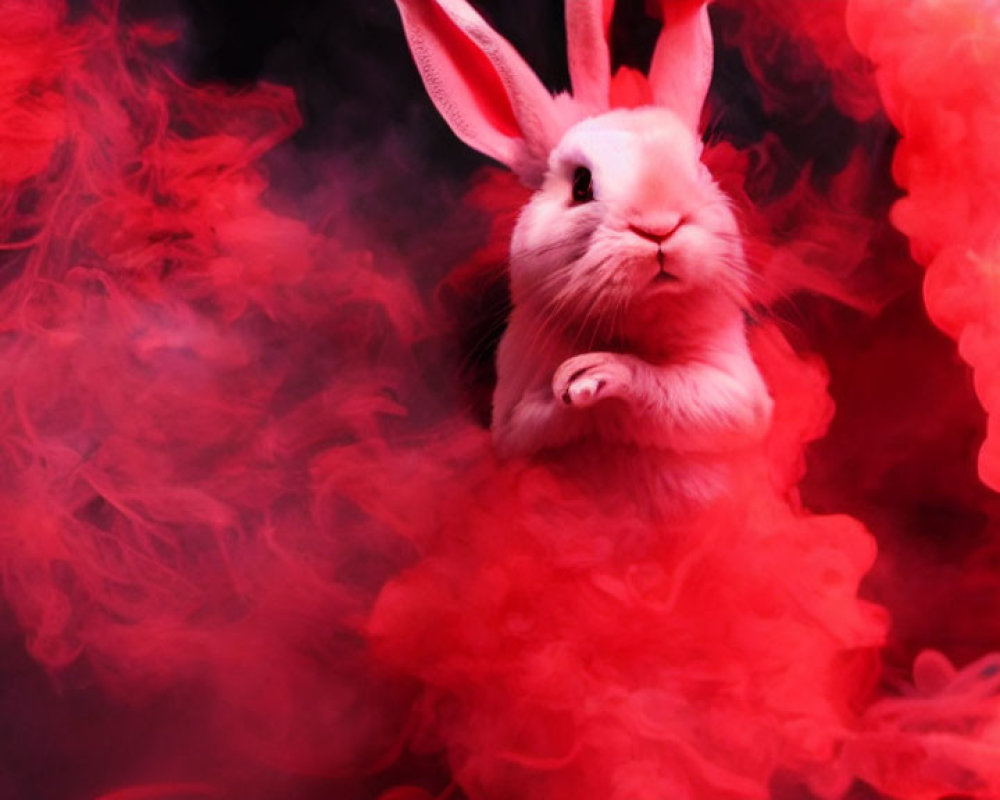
{"type": "Point", "coordinates": [662, 366]}
{"type": "Point", "coordinates": [626, 350]}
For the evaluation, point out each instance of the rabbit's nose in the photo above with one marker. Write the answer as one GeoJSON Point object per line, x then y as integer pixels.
{"type": "Point", "coordinates": [657, 233]}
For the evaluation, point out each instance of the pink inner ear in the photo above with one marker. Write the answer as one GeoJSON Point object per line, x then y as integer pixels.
{"type": "Point", "coordinates": [482, 86]}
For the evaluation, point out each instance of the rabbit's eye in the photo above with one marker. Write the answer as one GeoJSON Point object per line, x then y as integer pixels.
{"type": "Point", "coordinates": [583, 185]}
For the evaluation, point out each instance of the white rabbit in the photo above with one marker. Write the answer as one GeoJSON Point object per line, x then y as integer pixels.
{"type": "Point", "coordinates": [628, 278]}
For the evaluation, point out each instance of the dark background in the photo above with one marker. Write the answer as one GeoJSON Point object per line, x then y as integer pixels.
{"type": "Point", "coordinates": [349, 65]}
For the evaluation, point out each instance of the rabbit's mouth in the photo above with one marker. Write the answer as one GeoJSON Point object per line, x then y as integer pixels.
{"type": "Point", "coordinates": [665, 277]}
{"type": "Point", "coordinates": [664, 280]}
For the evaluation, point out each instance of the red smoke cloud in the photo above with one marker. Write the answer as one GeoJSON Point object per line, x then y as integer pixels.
{"type": "Point", "coordinates": [242, 487]}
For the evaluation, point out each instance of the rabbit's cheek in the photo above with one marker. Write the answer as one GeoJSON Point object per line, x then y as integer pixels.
{"type": "Point", "coordinates": [696, 257]}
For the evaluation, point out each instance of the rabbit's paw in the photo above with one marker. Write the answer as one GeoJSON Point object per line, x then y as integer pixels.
{"type": "Point", "coordinates": [583, 380]}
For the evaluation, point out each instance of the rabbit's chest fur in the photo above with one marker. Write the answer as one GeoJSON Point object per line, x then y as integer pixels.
{"type": "Point", "coordinates": [661, 426]}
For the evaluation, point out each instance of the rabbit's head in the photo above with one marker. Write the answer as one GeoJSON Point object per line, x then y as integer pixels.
{"type": "Point", "coordinates": [627, 229]}
{"type": "Point", "coordinates": [626, 223]}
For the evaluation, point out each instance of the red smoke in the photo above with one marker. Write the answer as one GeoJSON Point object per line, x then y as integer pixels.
{"type": "Point", "coordinates": [245, 502]}
{"type": "Point", "coordinates": [947, 128]}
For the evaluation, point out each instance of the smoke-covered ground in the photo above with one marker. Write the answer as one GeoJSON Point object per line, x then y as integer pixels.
{"type": "Point", "coordinates": [252, 539]}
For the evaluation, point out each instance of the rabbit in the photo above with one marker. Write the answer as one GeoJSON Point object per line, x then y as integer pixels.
{"type": "Point", "coordinates": [627, 336]}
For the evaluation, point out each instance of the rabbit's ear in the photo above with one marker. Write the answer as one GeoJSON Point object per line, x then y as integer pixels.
{"type": "Point", "coordinates": [484, 90]}
{"type": "Point", "coordinates": [682, 61]}
{"type": "Point", "coordinates": [588, 25]}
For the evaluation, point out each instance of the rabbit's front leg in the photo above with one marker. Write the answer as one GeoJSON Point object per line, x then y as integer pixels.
{"type": "Point", "coordinates": [585, 379]}
{"type": "Point", "coordinates": [543, 416]}
{"type": "Point", "coordinates": [695, 406]}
